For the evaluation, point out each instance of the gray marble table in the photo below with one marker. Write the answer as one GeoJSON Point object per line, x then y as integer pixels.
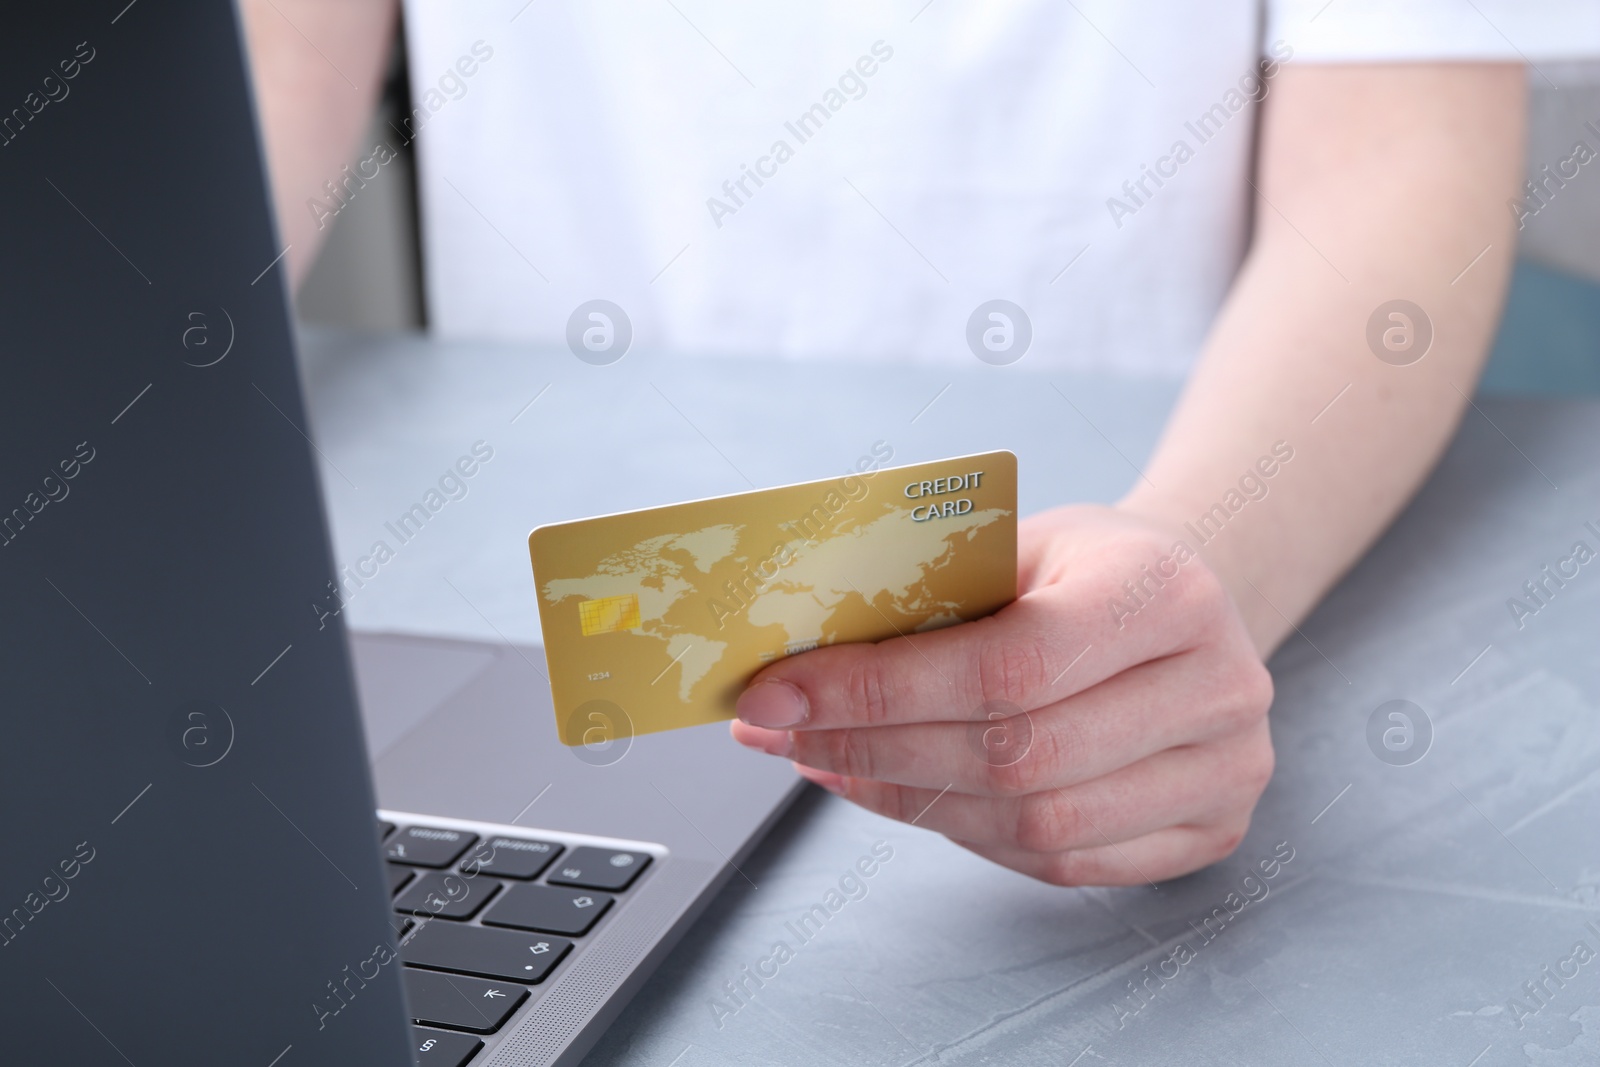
{"type": "Point", "coordinates": [1431, 912]}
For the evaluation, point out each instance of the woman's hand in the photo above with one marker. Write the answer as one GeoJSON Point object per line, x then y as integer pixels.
{"type": "Point", "coordinates": [1085, 734]}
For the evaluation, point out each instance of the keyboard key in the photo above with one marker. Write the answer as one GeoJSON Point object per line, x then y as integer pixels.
{"type": "Point", "coordinates": [446, 895]}
{"type": "Point", "coordinates": [401, 926]}
{"type": "Point", "coordinates": [599, 868]}
{"type": "Point", "coordinates": [543, 907]}
{"type": "Point", "coordinates": [486, 953]}
{"type": "Point", "coordinates": [437, 1048]}
{"type": "Point", "coordinates": [427, 846]}
{"type": "Point", "coordinates": [384, 829]}
{"type": "Point", "coordinates": [511, 857]}
{"type": "Point", "coordinates": [398, 877]}
{"type": "Point", "coordinates": [454, 1000]}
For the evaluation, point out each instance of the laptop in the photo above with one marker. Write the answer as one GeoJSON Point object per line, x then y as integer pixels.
{"type": "Point", "coordinates": [209, 857]}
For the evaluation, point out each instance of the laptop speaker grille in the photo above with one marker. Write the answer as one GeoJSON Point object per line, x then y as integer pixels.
{"type": "Point", "coordinates": [558, 1015]}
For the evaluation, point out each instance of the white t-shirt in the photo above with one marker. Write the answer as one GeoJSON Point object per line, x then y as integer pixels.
{"type": "Point", "coordinates": [850, 179]}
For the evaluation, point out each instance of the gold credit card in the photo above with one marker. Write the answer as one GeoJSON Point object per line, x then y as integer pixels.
{"type": "Point", "coordinates": [657, 619]}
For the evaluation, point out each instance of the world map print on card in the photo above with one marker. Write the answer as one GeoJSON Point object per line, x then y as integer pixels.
{"type": "Point", "coordinates": [665, 614]}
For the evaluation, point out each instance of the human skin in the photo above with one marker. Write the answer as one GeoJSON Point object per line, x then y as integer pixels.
{"type": "Point", "coordinates": [1150, 743]}
{"type": "Point", "coordinates": [1148, 754]}
{"type": "Point", "coordinates": [318, 69]}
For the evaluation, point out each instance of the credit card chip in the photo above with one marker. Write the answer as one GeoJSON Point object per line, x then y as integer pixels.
{"type": "Point", "coordinates": [609, 615]}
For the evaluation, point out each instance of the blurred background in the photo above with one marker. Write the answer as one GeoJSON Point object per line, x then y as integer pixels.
{"type": "Point", "coordinates": [369, 278]}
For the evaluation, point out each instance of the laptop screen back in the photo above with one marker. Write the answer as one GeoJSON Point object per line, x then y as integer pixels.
{"type": "Point", "coordinates": [191, 871]}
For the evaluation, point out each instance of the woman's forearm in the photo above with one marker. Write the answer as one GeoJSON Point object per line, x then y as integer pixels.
{"type": "Point", "coordinates": [1374, 185]}
{"type": "Point", "coordinates": [318, 68]}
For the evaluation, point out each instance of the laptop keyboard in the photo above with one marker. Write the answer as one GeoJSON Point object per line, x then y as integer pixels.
{"type": "Point", "coordinates": [485, 919]}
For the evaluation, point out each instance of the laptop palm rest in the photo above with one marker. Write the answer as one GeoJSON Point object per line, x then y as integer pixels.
{"type": "Point", "coordinates": [465, 730]}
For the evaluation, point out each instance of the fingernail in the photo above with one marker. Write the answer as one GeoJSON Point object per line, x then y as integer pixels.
{"type": "Point", "coordinates": [772, 742]}
{"type": "Point", "coordinates": [833, 783]}
{"type": "Point", "coordinates": [774, 703]}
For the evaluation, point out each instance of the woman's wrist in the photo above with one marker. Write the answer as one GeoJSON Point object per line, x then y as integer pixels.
{"type": "Point", "coordinates": [1223, 545]}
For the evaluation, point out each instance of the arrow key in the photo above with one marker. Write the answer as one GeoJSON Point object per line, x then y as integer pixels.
{"type": "Point", "coordinates": [459, 1002]}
